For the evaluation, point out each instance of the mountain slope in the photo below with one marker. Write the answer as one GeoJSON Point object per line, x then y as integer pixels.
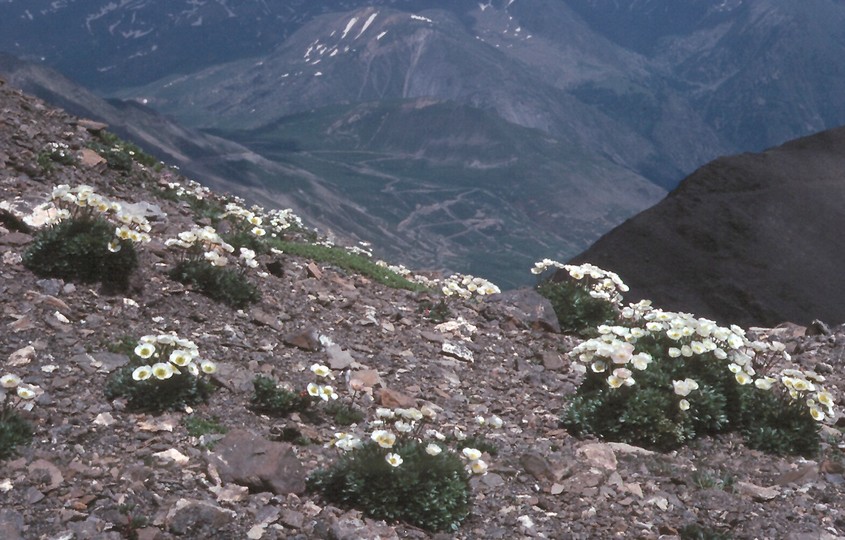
{"type": "Point", "coordinates": [446, 201]}
{"type": "Point", "coordinates": [753, 238]}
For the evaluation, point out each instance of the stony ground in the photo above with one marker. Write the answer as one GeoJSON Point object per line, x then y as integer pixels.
{"type": "Point", "coordinates": [91, 460]}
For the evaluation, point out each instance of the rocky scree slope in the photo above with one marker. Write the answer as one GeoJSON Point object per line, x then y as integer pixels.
{"type": "Point", "coordinates": [752, 238]}
{"type": "Point", "coordinates": [92, 465]}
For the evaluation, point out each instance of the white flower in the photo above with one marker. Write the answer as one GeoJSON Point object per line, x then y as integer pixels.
{"type": "Point", "coordinates": [145, 350]}
{"type": "Point", "coordinates": [181, 357]}
{"type": "Point", "coordinates": [162, 370]}
{"type": "Point", "coordinates": [428, 412]}
{"type": "Point", "coordinates": [471, 453]}
{"type": "Point", "coordinates": [142, 373]}
{"type": "Point", "coordinates": [432, 449]}
{"type": "Point", "coordinates": [683, 404]}
{"type": "Point", "coordinates": [383, 438]}
{"type": "Point", "coordinates": [764, 383]}
{"type": "Point", "coordinates": [321, 370]}
{"type": "Point", "coordinates": [313, 390]}
{"type": "Point", "coordinates": [327, 393]}
{"type": "Point", "coordinates": [26, 392]}
{"type": "Point", "coordinates": [394, 460]}
{"type": "Point", "coordinates": [496, 423]}
{"type": "Point", "coordinates": [9, 381]}
{"type": "Point", "coordinates": [478, 467]}
{"type": "Point", "coordinates": [208, 367]}
{"type": "Point", "coordinates": [113, 246]}
{"type": "Point", "coordinates": [615, 382]}
{"type": "Point", "coordinates": [403, 427]}
{"type": "Point", "coordinates": [384, 412]}
{"type": "Point", "coordinates": [742, 378]}
{"type": "Point", "coordinates": [815, 412]}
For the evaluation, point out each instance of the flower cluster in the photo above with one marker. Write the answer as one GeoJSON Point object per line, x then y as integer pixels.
{"type": "Point", "coordinates": [602, 284]}
{"type": "Point", "coordinates": [203, 243]}
{"type": "Point", "coordinates": [259, 222]}
{"type": "Point", "coordinates": [395, 427]}
{"type": "Point", "coordinates": [322, 391]}
{"type": "Point", "coordinates": [166, 355]}
{"type": "Point", "coordinates": [12, 388]}
{"type": "Point", "coordinates": [83, 203]}
{"type": "Point", "coordinates": [407, 274]}
{"type": "Point", "coordinates": [467, 286]}
{"type": "Point", "coordinates": [192, 189]}
{"type": "Point", "coordinates": [615, 353]}
{"type": "Point", "coordinates": [58, 152]}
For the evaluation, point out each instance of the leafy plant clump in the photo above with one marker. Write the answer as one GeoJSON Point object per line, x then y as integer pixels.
{"type": "Point", "coordinates": [120, 154]}
{"type": "Point", "coordinates": [197, 426]}
{"type": "Point", "coordinates": [660, 379]}
{"type": "Point", "coordinates": [205, 264]}
{"type": "Point", "coordinates": [428, 491]}
{"type": "Point", "coordinates": [88, 239]}
{"type": "Point", "coordinates": [587, 298]}
{"type": "Point", "coordinates": [78, 250]}
{"type": "Point", "coordinates": [268, 398]}
{"type": "Point", "coordinates": [343, 258]}
{"type": "Point", "coordinates": [394, 474]}
{"type": "Point", "coordinates": [14, 430]}
{"type": "Point", "coordinates": [55, 152]}
{"type": "Point", "coordinates": [223, 285]}
{"type": "Point", "coordinates": [164, 373]}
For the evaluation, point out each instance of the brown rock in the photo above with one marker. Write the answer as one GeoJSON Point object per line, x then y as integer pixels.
{"type": "Point", "coordinates": [537, 466]}
{"type": "Point", "coordinates": [90, 159]}
{"type": "Point", "coordinates": [338, 358]}
{"type": "Point", "coordinates": [249, 460]}
{"type": "Point", "coordinates": [48, 476]}
{"type": "Point", "coordinates": [314, 271]}
{"type": "Point", "coordinates": [552, 360]}
{"type": "Point", "coordinates": [307, 340]}
{"type": "Point", "coordinates": [758, 493]}
{"type": "Point", "coordinates": [599, 455]}
{"type": "Point", "coordinates": [393, 399]}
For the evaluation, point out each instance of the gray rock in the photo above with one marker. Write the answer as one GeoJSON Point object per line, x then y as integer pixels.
{"type": "Point", "coordinates": [249, 460]}
{"type": "Point", "coordinates": [11, 525]}
{"type": "Point", "coordinates": [527, 308]}
{"type": "Point", "coordinates": [200, 519]}
{"type": "Point", "coordinates": [307, 340]}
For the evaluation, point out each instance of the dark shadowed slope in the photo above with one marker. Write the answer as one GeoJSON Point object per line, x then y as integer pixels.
{"type": "Point", "coordinates": [754, 239]}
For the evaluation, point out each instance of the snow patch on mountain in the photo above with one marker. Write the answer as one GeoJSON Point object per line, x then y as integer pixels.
{"type": "Point", "coordinates": [367, 24]}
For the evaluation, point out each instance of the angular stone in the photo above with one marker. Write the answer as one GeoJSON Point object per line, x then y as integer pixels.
{"type": "Point", "coordinates": [48, 475]}
{"type": "Point", "coordinates": [200, 519]}
{"type": "Point", "coordinates": [527, 308]}
{"type": "Point", "coordinates": [249, 460]}
{"type": "Point", "coordinates": [553, 361]}
{"type": "Point", "coordinates": [262, 318]}
{"type": "Point", "coordinates": [90, 159]}
{"type": "Point", "coordinates": [15, 239]}
{"type": "Point", "coordinates": [537, 466]}
{"type": "Point", "coordinates": [457, 351]}
{"type": "Point", "coordinates": [393, 399]}
{"type": "Point", "coordinates": [365, 378]}
{"type": "Point", "coordinates": [599, 455]}
{"type": "Point", "coordinates": [338, 358]}
{"type": "Point", "coordinates": [307, 340]}
{"type": "Point", "coordinates": [758, 493]}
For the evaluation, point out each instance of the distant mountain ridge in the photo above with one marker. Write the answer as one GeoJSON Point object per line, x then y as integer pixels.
{"type": "Point", "coordinates": [752, 238]}
{"type": "Point", "coordinates": [569, 115]}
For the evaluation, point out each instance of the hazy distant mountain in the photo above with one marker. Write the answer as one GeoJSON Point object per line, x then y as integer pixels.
{"type": "Point", "coordinates": [752, 238]}
{"type": "Point", "coordinates": [358, 173]}
{"type": "Point", "coordinates": [571, 114]}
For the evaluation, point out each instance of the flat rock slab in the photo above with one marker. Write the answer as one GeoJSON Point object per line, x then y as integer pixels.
{"type": "Point", "coordinates": [249, 460]}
